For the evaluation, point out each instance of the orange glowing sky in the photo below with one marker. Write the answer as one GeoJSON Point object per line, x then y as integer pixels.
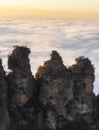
{"type": "Point", "coordinates": [60, 8]}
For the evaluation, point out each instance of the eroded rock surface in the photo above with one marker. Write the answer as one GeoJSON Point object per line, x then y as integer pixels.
{"type": "Point", "coordinates": [66, 94]}
{"type": "Point", "coordinates": [21, 89]}
{"type": "Point", "coordinates": [97, 113]}
{"type": "Point", "coordinates": [56, 90]}
{"type": "Point", "coordinates": [4, 115]}
{"type": "Point", "coordinates": [84, 98]}
{"type": "Point", "coordinates": [58, 98]}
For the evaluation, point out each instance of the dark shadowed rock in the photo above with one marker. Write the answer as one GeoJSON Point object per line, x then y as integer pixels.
{"type": "Point", "coordinates": [63, 93]}
{"type": "Point", "coordinates": [19, 59]}
{"type": "Point", "coordinates": [59, 98]}
{"type": "Point", "coordinates": [56, 89]}
{"type": "Point", "coordinates": [4, 116]}
{"type": "Point", "coordinates": [84, 98]}
{"type": "Point", "coordinates": [97, 113]}
{"type": "Point", "coordinates": [21, 89]}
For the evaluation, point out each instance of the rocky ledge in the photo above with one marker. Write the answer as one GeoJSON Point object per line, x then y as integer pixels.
{"type": "Point", "coordinates": [57, 98]}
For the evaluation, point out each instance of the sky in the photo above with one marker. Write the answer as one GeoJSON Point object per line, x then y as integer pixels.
{"type": "Point", "coordinates": [89, 7]}
{"type": "Point", "coordinates": [69, 37]}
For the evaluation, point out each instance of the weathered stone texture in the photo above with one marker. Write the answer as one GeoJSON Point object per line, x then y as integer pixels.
{"type": "Point", "coordinates": [83, 76]}
{"type": "Point", "coordinates": [21, 88]}
{"type": "Point", "coordinates": [63, 91]}
{"type": "Point", "coordinates": [58, 98]}
{"type": "Point", "coordinates": [4, 115]}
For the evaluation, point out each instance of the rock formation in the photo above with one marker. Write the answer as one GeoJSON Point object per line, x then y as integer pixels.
{"type": "Point", "coordinates": [84, 98]}
{"type": "Point", "coordinates": [56, 91]}
{"type": "Point", "coordinates": [63, 93]}
{"type": "Point", "coordinates": [20, 89]}
{"type": "Point", "coordinates": [97, 113]}
{"type": "Point", "coordinates": [58, 98]}
{"type": "Point", "coordinates": [4, 115]}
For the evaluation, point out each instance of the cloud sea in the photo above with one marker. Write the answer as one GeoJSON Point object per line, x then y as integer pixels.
{"type": "Point", "coordinates": [70, 37]}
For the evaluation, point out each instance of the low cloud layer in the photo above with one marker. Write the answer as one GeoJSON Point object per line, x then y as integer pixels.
{"type": "Point", "coordinates": [71, 38]}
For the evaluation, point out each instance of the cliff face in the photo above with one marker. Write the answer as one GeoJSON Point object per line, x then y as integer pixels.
{"type": "Point", "coordinates": [20, 89]}
{"type": "Point", "coordinates": [4, 115]}
{"type": "Point", "coordinates": [67, 94]}
{"type": "Point", "coordinates": [97, 112]}
{"type": "Point", "coordinates": [59, 98]}
{"type": "Point", "coordinates": [56, 90]}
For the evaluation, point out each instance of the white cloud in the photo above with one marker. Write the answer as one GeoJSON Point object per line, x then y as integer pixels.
{"type": "Point", "coordinates": [96, 51]}
{"type": "Point", "coordinates": [71, 38]}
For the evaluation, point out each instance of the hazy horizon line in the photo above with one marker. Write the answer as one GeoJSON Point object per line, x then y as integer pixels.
{"type": "Point", "coordinates": [26, 11]}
